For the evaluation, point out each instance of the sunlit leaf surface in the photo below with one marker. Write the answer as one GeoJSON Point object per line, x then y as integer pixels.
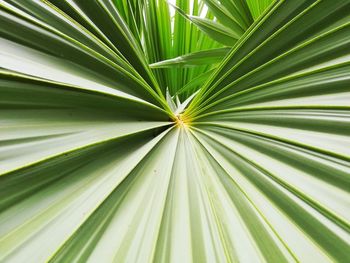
{"type": "Point", "coordinates": [201, 131]}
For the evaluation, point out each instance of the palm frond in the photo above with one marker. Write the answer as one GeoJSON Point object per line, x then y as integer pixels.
{"type": "Point", "coordinates": [129, 133]}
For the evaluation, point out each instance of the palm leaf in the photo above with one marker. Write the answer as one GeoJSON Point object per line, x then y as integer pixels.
{"type": "Point", "coordinates": [106, 156]}
{"type": "Point", "coordinates": [204, 57]}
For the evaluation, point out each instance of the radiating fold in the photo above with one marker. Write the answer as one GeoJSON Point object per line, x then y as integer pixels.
{"type": "Point", "coordinates": [239, 155]}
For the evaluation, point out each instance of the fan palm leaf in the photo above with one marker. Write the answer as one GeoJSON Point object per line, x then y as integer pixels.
{"type": "Point", "coordinates": [128, 133]}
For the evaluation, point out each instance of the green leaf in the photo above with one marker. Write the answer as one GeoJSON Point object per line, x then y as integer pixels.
{"type": "Point", "coordinates": [257, 7]}
{"type": "Point", "coordinates": [213, 29]}
{"type": "Point", "coordinates": [204, 57]}
{"type": "Point", "coordinates": [129, 135]}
